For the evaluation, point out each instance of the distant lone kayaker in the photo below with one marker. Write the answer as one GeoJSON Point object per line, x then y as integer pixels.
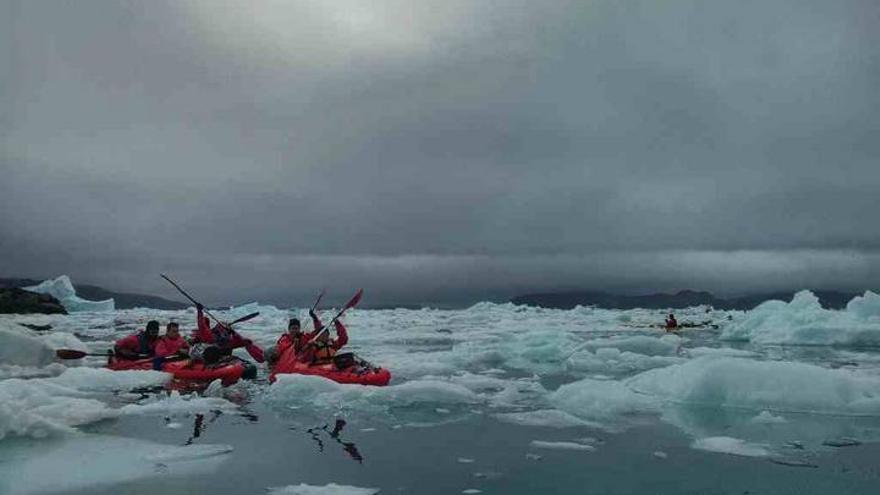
{"type": "Point", "coordinates": [138, 345]}
{"type": "Point", "coordinates": [671, 323]}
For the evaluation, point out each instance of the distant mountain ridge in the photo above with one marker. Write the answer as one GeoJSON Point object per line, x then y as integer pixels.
{"type": "Point", "coordinates": [686, 298]}
{"type": "Point", "coordinates": [123, 300]}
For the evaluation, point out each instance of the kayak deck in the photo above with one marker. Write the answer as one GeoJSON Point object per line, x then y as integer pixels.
{"type": "Point", "coordinates": [228, 371]}
{"type": "Point", "coordinates": [360, 373]}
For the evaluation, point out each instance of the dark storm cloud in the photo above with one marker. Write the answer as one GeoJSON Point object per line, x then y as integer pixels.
{"type": "Point", "coordinates": [440, 151]}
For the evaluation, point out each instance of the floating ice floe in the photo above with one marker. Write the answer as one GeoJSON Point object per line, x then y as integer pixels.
{"type": "Point", "coordinates": [779, 386]}
{"type": "Point", "coordinates": [550, 418]}
{"type": "Point", "coordinates": [733, 446]}
{"type": "Point", "coordinates": [62, 289]}
{"type": "Point", "coordinates": [45, 406]}
{"type": "Point", "coordinates": [325, 395]}
{"type": "Point", "coordinates": [765, 417]}
{"type": "Point", "coordinates": [329, 489]}
{"type": "Point", "coordinates": [80, 463]}
{"type": "Point", "coordinates": [541, 444]}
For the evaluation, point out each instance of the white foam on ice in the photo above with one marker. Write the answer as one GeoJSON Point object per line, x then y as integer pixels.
{"type": "Point", "coordinates": [733, 446]}
{"type": "Point", "coordinates": [329, 489]}
{"type": "Point", "coordinates": [89, 461]}
{"type": "Point", "coordinates": [62, 289]}
{"type": "Point", "coordinates": [803, 321]}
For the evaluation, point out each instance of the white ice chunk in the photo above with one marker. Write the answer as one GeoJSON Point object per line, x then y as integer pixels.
{"type": "Point", "coordinates": [600, 400]}
{"type": "Point", "coordinates": [329, 489]}
{"type": "Point", "coordinates": [322, 393]}
{"type": "Point", "coordinates": [22, 347]}
{"type": "Point", "coordinates": [106, 380]}
{"type": "Point", "coordinates": [733, 446]}
{"type": "Point", "coordinates": [178, 404]}
{"type": "Point", "coordinates": [550, 418]}
{"type": "Point", "coordinates": [84, 462]}
{"type": "Point", "coordinates": [762, 385]}
{"type": "Point", "coordinates": [540, 444]}
{"type": "Point", "coordinates": [765, 417]}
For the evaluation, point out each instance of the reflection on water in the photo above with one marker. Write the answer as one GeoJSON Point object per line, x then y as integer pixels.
{"type": "Point", "coordinates": [348, 447]}
{"type": "Point", "coordinates": [199, 425]}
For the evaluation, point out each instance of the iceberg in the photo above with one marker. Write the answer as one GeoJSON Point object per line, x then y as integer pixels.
{"type": "Point", "coordinates": [804, 321]}
{"type": "Point", "coordinates": [62, 289]}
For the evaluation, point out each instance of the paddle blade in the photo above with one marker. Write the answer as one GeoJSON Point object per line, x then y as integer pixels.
{"type": "Point", "coordinates": [70, 354]}
{"type": "Point", "coordinates": [245, 318]}
{"type": "Point", "coordinates": [354, 300]}
{"type": "Point", "coordinates": [255, 353]}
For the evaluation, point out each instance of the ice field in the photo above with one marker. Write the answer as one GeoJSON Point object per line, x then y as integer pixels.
{"type": "Point", "coordinates": [496, 398]}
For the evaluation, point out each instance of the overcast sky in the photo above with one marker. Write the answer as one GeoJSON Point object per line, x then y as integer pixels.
{"type": "Point", "coordinates": [441, 151]}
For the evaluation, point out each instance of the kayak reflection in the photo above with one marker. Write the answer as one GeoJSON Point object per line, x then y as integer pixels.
{"type": "Point", "coordinates": [348, 447]}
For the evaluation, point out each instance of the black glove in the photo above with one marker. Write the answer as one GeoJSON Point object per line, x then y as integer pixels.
{"type": "Point", "coordinates": [312, 314]}
{"type": "Point", "coordinates": [199, 307]}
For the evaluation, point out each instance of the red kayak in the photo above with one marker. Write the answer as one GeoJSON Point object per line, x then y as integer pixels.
{"type": "Point", "coordinates": [361, 373]}
{"type": "Point", "coordinates": [228, 370]}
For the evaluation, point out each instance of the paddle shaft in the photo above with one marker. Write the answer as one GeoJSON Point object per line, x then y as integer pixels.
{"type": "Point", "coordinates": [350, 304]}
{"type": "Point", "coordinates": [179, 289]}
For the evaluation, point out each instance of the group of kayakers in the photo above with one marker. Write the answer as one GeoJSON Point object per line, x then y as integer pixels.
{"type": "Point", "coordinates": [211, 343]}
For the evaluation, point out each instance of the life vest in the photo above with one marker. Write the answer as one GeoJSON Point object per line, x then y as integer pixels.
{"type": "Point", "coordinates": [144, 344]}
{"type": "Point", "coordinates": [221, 335]}
{"type": "Point", "coordinates": [324, 350]}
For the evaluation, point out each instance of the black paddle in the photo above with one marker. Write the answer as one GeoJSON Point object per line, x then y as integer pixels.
{"type": "Point", "coordinates": [252, 349]}
{"type": "Point", "coordinates": [74, 354]}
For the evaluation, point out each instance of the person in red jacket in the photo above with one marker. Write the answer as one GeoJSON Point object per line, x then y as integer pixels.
{"type": "Point", "coordinates": [172, 342]}
{"type": "Point", "coordinates": [295, 337]}
{"type": "Point", "coordinates": [138, 345]}
{"type": "Point", "coordinates": [222, 336]}
{"type": "Point", "coordinates": [671, 323]}
{"type": "Point", "coordinates": [322, 348]}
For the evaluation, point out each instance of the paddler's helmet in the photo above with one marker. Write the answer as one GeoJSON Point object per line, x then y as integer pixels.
{"type": "Point", "coordinates": [152, 329]}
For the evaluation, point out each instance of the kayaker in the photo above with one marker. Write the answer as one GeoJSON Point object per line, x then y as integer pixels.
{"type": "Point", "coordinates": [322, 348]}
{"type": "Point", "coordinates": [295, 337]}
{"type": "Point", "coordinates": [172, 342]}
{"type": "Point", "coordinates": [138, 345]}
{"type": "Point", "coordinates": [221, 336]}
{"type": "Point", "coordinates": [671, 323]}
